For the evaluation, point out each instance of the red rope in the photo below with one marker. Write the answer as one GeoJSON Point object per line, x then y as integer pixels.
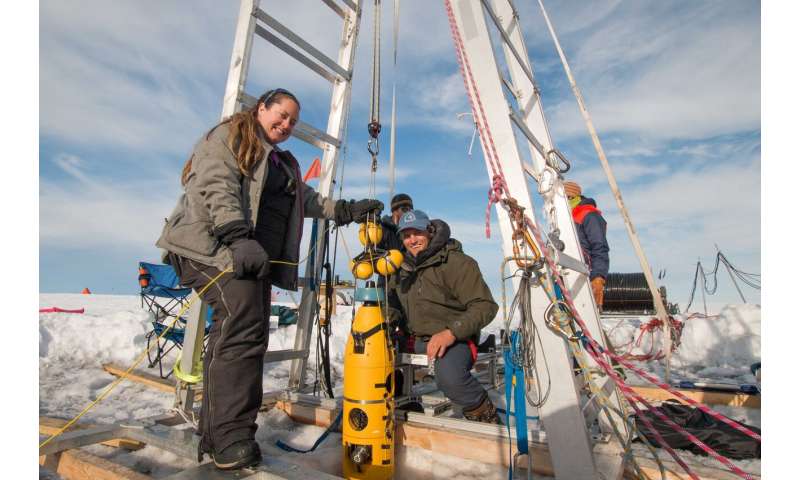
{"type": "Point", "coordinates": [651, 327]}
{"type": "Point", "coordinates": [500, 186]}
{"type": "Point", "coordinates": [495, 195]}
{"type": "Point", "coordinates": [615, 377]}
{"type": "Point", "coordinates": [634, 398]}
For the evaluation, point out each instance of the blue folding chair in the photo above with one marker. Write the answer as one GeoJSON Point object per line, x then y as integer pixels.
{"type": "Point", "coordinates": [161, 290]}
{"type": "Point", "coordinates": [163, 296]}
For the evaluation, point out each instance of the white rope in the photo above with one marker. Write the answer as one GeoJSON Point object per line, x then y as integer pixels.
{"type": "Point", "coordinates": [661, 311]}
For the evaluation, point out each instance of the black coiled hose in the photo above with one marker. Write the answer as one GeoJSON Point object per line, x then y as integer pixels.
{"type": "Point", "coordinates": [627, 292]}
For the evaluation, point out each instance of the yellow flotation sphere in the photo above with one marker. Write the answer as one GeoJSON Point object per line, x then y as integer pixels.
{"type": "Point", "coordinates": [361, 270]}
{"type": "Point", "coordinates": [370, 231]}
{"type": "Point", "coordinates": [389, 263]}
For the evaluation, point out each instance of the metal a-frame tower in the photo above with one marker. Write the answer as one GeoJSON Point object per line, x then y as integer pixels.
{"type": "Point", "coordinates": [254, 23]}
{"type": "Point", "coordinates": [566, 415]}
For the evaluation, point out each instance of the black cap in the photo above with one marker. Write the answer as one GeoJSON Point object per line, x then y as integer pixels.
{"type": "Point", "coordinates": [401, 200]}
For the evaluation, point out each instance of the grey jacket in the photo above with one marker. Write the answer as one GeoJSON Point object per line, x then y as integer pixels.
{"type": "Point", "coordinates": [216, 193]}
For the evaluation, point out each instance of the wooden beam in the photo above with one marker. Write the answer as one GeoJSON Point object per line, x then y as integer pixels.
{"type": "Point", "coordinates": [321, 417]}
{"type": "Point", "coordinates": [144, 378]}
{"type": "Point", "coordinates": [147, 379]}
{"type": "Point", "coordinates": [492, 450]}
{"type": "Point", "coordinates": [49, 426]}
{"type": "Point", "coordinates": [673, 471]}
{"type": "Point", "coordinates": [471, 446]}
{"type": "Point", "coordinates": [80, 465]}
{"type": "Point", "coordinates": [733, 399]}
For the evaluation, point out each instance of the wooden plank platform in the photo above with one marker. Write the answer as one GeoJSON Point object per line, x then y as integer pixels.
{"type": "Point", "coordinates": [148, 379]}
{"type": "Point", "coordinates": [491, 450]}
{"type": "Point", "coordinates": [49, 426]}
{"type": "Point", "coordinates": [321, 417]}
{"type": "Point", "coordinates": [81, 465]}
{"type": "Point", "coordinates": [733, 399]}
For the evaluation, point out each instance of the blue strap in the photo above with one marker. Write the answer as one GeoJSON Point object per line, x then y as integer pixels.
{"type": "Point", "coordinates": [312, 279]}
{"type": "Point", "coordinates": [333, 426]}
{"type": "Point", "coordinates": [515, 388]}
{"type": "Point", "coordinates": [502, 411]}
{"type": "Point", "coordinates": [557, 291]}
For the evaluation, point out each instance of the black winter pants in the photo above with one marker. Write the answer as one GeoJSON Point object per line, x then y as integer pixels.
{"type": "Point", "coordinates": [234, 358]}
{"type": "Point", "coordinates": [453, 375]}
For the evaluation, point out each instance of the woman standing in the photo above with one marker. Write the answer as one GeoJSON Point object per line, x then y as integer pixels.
{"type": "Point", "coordinates": [242, 209]}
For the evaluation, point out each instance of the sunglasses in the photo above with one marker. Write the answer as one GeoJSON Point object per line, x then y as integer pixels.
{"type": "Point", "coordinates": [404, 209]}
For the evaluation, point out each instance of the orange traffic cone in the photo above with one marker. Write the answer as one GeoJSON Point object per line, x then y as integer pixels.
{"type": "Point", "coordinates": [86, 291]}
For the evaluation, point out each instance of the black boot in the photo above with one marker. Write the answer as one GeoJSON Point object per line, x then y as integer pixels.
{"type": "Point", "coordinates": [485, 412]}
{"type": "Point", "coordinates": [244, 453]}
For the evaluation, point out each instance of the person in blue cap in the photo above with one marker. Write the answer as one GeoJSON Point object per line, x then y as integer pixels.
{"type": "Point", "coordinates": [442, 295]}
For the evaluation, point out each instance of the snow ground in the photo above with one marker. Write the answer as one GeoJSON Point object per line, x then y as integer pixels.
{"type": "Point", "coordinates": [72, 348]}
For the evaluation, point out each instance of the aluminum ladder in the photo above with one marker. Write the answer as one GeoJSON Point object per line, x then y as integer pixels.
{"type": "Point", "coordinates": [254, 22]}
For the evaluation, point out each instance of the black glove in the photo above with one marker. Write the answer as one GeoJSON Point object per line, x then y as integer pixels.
{"type": "Point", "coordinates": [346, 212]}
{"type": "Point", "coordinates": [249, 259]}
{"type": "Point", "coordinates": [232, 231]}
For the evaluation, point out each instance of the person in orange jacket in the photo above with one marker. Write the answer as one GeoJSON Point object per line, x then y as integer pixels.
{"type": "Point", "coordinates": [591, 227]}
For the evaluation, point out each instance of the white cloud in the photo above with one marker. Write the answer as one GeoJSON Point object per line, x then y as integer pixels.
{"type": "Point", "coordinates": [120, 74]}
{"type": "Point", "coordinates": [665, 71]}
{"type": "Point", "coordinates": [93, 212]}
{"type": "Point", "coordinates": [140, 80]}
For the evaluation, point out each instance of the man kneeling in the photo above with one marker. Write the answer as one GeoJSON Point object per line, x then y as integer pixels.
{"type": "Point", "coordinates": [446, 302]}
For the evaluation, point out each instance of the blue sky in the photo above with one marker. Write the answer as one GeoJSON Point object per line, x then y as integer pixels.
{"type": "Point", "coordinates": [126, 88]}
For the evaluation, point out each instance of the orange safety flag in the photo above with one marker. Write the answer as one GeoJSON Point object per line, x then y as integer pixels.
{"type": "Point", "coordinates": [313, 171]}
{"type": "Point", "coordinates": [85, 291]}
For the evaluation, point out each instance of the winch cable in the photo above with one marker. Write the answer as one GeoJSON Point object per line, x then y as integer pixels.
{"type": "Point", "coordinates": [499, 189]}
{"type": "Point", "coordinates": [332, 267]}
{"type": "Point", "coordinates": [323, 325]}
{"type": "Point", "coordinates": [393, 130]}
{"type": "Point", "coordinates": [374, 125]}
{"type": "Point", "coordinates": [528, 337]}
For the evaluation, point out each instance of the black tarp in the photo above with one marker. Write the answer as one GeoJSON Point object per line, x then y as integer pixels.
{"type": "Point", "coordinates": [723, 438]}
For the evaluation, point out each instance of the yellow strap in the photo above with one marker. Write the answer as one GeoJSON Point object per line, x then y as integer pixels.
{"type": "Point", "coordinates": [116, 382]}
{"type": "Point", "coordinates": [189, 377]}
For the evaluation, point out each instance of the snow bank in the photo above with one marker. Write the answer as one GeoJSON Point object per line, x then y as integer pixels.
{"type": "Point", "coordinates": [718, 348]}
{"type": "Point", "coordinates": [73, 347]}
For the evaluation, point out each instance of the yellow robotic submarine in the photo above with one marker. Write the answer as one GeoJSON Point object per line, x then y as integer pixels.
{"type": "Point", "coordinates": [368, 417]}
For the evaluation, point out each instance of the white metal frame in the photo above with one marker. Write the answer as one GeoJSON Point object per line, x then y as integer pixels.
{"type": "Point", "coordinates": [571, 446]}
{"type": "Point", "coordinates": [531, 112]}
{"type": "Point", "coordinates": [254, 21]}
{"type": "Point", "coordinates": [562, 414]}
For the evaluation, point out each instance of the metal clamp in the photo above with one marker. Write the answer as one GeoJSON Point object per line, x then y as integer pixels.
{"type": "Point", "coordinates": [555, 156]}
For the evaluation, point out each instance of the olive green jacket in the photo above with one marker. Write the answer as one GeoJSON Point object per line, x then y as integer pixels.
{"type": "Point", "coordinates": [217, 193]}
{"type": "Point", "coordinates": [445, 290]}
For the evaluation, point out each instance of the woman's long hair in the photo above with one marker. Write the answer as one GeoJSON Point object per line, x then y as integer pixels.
{"type": "Point", "coordinates": [243, 134]}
